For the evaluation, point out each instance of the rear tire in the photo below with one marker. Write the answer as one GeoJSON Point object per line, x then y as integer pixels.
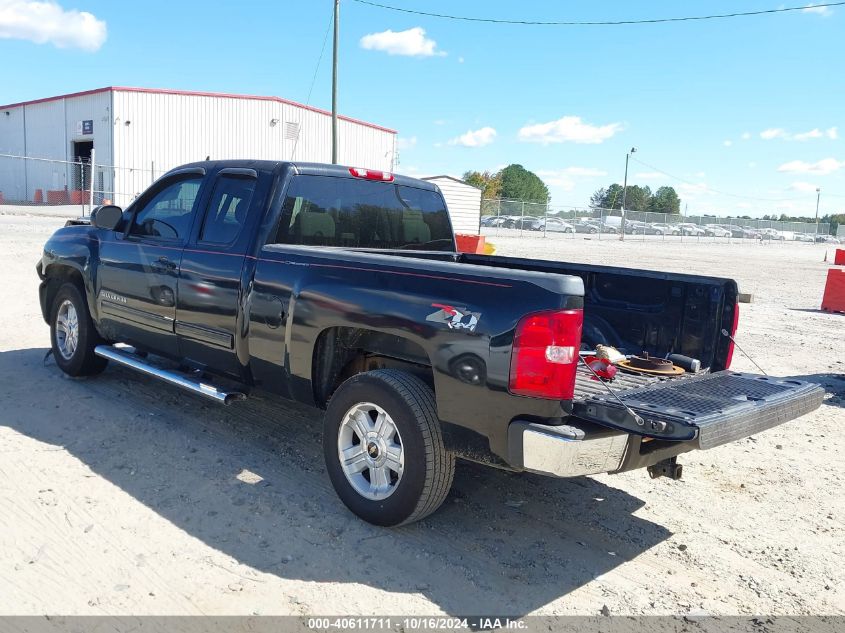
{"type": "Point", "coordinates": [72, 334]}
{"type": "Point", "coordinates": [384, 448]}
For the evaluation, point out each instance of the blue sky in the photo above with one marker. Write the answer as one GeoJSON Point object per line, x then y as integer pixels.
{"type": "Point", "coordinates": [747, 115]}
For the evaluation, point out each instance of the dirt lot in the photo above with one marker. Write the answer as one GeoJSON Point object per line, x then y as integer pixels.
{"type": "Point", "coordinates": [119, 495]}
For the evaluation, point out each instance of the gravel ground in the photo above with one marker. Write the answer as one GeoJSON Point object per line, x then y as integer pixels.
{"type": "Point", "coordinates": [122, 496]}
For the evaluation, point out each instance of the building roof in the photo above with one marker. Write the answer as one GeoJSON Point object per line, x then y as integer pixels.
{"type": "Point", "coordinates": [463, 182]}
{"type": "Point", "coordinates": [193, 93]}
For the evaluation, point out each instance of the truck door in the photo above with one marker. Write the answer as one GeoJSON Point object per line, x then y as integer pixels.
{"type": "Point", "coordinates": [138, 271]}
{"type": "Point", "coordinates": [209, 321]}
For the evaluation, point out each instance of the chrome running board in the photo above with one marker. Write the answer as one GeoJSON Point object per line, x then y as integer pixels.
{"type": "Point", "coordinates": [127, 357]}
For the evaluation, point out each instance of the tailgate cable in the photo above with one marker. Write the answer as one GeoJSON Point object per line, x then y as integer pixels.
{"type": "Point", "coordinates": [733, 340]}
{"type": "Point", "coordinates": [637, 418]}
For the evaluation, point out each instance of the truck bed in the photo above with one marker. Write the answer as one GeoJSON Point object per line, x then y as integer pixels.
{"type": "Point", "coordinates": [586, 385]}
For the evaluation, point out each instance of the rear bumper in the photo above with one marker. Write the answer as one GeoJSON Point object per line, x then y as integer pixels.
{"type": "Point", "coordinates": [572, 451]}
{"type": "Point", "coordinates": [587, 448]}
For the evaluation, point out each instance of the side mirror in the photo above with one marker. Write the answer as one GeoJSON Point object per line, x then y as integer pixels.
{"type": "Point", "coordinates": [108, 216]}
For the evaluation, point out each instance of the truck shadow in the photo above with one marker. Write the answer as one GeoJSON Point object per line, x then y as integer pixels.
{"type": "Point", "coordinates": [249, 482]}
{"type": "Point", "coordinates": [832, 383]}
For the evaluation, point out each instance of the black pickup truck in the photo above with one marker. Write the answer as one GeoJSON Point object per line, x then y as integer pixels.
{"type": "Point", "coordinates": [342, 288]}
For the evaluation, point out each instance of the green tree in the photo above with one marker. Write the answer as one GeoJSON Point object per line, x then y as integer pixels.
{"type": "Point", "coordinates": [608, 198]}
{"type": "Point", "coordinates": [665, 200]}
{"type": "Point", "coordinates": [636, 198]}
{"type": "Point", "coordinates": [489, 183]}
{"type": "Point", "coordinates": [520, 184]}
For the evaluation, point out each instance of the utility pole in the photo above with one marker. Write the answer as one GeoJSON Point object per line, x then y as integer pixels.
{"type": "Point", "coordinates": [624, 192]}
{"type": "Point", "coordinates": [334, 82]}
{"type": "Point", "coordinates": [818, 197]}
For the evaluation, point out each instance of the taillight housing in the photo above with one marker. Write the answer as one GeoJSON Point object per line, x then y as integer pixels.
{"type": "Point", "coordinates": [545, 354]}
{"type": "Point", "coordinates": [371, 174]}
{"type": "Point", "coordinates": [734, 327]}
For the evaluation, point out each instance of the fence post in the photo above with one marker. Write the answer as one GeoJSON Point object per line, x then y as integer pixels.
{"type": "Point", "coordinates": [522, 219]}
{"type": "Point", "coordinates": [152, 171]}
{"type": "Point", "coordinates": [91, 193]}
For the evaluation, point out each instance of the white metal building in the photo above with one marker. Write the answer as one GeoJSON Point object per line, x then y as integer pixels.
{"type": "Point", "coordinates": [464, 202]}
{"type": "Point", "coordinates": [138, 134]}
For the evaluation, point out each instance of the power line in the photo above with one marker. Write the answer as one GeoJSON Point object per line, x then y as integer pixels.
{"type": "Point", "coordinates": [313, 80]}
{"type": "Point", "coordinates": [597, 23]}
{"type": "Point", "coordinates": [710, 189]}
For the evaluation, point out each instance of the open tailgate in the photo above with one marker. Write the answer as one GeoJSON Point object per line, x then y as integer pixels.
{"type": "Point", "coordinates": [713, 409]}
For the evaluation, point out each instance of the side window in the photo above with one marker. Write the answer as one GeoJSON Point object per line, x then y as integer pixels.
{"type": "Point", "coordinates": [227, 209]}
{"type": "Point", "coordinates": [168, 214]}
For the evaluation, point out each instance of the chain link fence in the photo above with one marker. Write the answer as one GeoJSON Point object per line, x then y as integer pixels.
{"type": "Point", "coordinates": [537, 220]}
{"type": "Point", "coordinates": [71, 186]}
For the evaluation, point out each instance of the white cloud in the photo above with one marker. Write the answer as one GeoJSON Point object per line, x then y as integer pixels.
{"type": "Point", "coordinates": [727, 143]}
{"type": "Point", "coordinates": [565, 179]}
{"type": "Point", "coordinates": [804, 136]}
{"type": "Point", "coordinates": [772, 133]}
{"type": "Point", "coordinates": [812, 8]}
{"type": "Point", "coordinates": [805, 187]}
{"type": "Point", "coordinates": [410, 43]}
{"type": "Point", "coordinates": [746, 136]}
{"type": "Point", "coordinates": [568, 129]}
{"type": "Point", "coordinates": [778, 132]}
{"type": "Point", "coordinates": [475, 138]}
{"type": "Point", "coordinates": [406, 142]}
{"type": "Point", "coordinates": [43, 22]}
{"type": "Point", "coordinates": [460, 60]}
{"type": "Point", "coordinates": [689, 191]}
{"type": "Point", "coordinates": [822, 167]}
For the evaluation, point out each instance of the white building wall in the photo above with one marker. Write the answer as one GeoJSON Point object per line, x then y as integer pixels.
{"type": "Point", "coordinates": [47, 130]}
{"type": "Point", "coordinates": [46, 138]}
{"type": "Point", "coordinates": [464, 202]}
{"type": "Point", "coordinates": [139, 135]}
{"type": "Point", "coordinates": [12, 142]}
{"type": "Point", "coordinates": [170, 129]}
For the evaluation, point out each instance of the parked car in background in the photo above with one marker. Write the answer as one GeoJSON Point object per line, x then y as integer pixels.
{"type": "Point", "coordinates": [692, 230]}
{"type": "Point", "coordinates": [493, 220]}
{"type": "Point", "coordinates": [585, 226]}
{"type": "Point", "coordinates": [552, 225]}
{"type": "Point", "coordinates": [661, 228]}
{"type": "Point", "coordinates": [715, 230]}
{"type": "Point", "coordinates": [772, 234]}
{"type": "Point", "coordinates": [634, 227]}
{"type": "Point", "coordinates": [742, 231]}
{"type": "Point", "coordinates": [826, 239]}
{"type": "Point", "coordinates": [803, 237]}
{"type": "Point", "coordinates": [604, 227]}
{"type": "Point", "coordinates": [522, 222]}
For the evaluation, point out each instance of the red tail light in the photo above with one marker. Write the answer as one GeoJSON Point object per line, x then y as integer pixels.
{"type": "Point", "coordinates": [371, 174]}
{"type": "Point", "coordinates": [730, 355]}
{"type": "Point", "coordinates": [545, 354]}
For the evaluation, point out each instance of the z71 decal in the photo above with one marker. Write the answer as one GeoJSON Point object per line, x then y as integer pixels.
{"type": "Point", "coordinates": [454, 318]}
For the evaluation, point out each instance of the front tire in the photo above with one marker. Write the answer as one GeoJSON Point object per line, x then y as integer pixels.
{"type": "Point", "coordinates": [72, 334]}
{"type": "Point", "coordinates": [384, 448]}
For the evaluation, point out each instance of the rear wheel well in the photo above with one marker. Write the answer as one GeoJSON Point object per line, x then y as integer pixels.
{"type": "Point", "coordinates": [342, 352]}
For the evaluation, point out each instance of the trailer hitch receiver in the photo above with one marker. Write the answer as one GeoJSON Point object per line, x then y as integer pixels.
{"type": "Point", "coordinates": [667, 468]}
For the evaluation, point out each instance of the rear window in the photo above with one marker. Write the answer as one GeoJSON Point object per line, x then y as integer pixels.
{"type": "Point", "coordinates": [330, 211]}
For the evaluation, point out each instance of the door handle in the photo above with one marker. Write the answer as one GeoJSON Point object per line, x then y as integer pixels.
{"type": "Point", "coordinates": [164, 264]}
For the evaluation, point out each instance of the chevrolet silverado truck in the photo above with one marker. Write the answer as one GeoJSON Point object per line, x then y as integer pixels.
{"type": "Point", "coordinates": [342, 288]}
